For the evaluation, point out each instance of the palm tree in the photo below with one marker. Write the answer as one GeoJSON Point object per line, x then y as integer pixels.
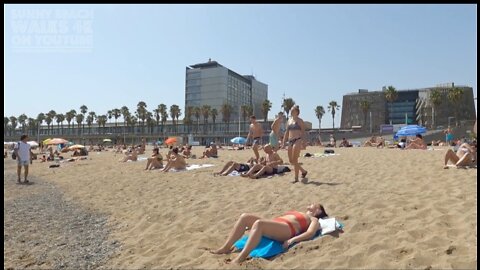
{"type": "Point", "coordinates": [157, 115]}
{"type": "Point", "coordinates": [40, 119]}
{"type": "Point", "coordinates": [266, 106]}
{"type": "Point", "coordinates": [142, 112]}
{"type": "Point", "coordinates": [150, 122]}
{"type": "Point", "coordinates": [110, 115]}
{"type": "Point", "coordinates": [188, 117]}
{"type": "Point", "coordinates": [6, 120]}
{"type": "Point", "coordinates": [69, 116]}
{"type": "Point", "coordinates": [175, 113]}
{"type": "Point", "coordinates": [49, 118]}
{"type": "Point", "coordinates": [13, 124]}
{"type": "Point", "coordinates": [22, 121]}
{"type": "Point", "coordinates": [101, 121]}
{"type": "Point", "coordinates": [333, 107]}
{"type": "Point", "coordinates": [436, 100]}
{"type": "Point", "coordinates": [391, 95]}
{"type": "Point", "coordinates": [31, 126]}
{"type": "Point", "coordinates": [83, 110]}
{"type": "Point", "coordinates": [116, 114]}
{"type": "Point", "coordinates": [214, 114]}
{"type": "Point", "coordinates": [455, 96]}
{"type": "Point", "coordinates": [197, 112]}
{"type": "Point", "coordinates": [206, 114]}
{"type": "Point", "coordinates": [319, 112]}
{"type": "Point", "coordinates": [79, 119]}
{"type": "Point", "coordinates": [90, 118]}
{"type": "Point", "coordinates": [226, 111]}
{"type": "Point", "coordinates": [163, 113]}
{"type": "Point", "coordinates": [365, 106]}
{"type": "Point", "coordinates": [287, 105]}
{"type": "Point", "coordinates": [60, 118]}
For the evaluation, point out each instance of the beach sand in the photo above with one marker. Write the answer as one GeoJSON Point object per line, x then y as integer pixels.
{"type": "Point", "coordinates": [400, 209]}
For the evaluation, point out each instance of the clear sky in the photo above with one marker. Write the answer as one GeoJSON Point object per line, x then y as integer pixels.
{"type": "Point", "coordinates": [107, 56]}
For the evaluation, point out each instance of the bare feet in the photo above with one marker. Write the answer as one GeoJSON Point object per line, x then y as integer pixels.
{"type": "Point", "coordinates": [294, 181]}
{"type": "Point", "coordinates": [304, 174]}
{"type": "Point", "coordinates": [445, 167]}
{"type": "Point", "coordinates": [221, 251]}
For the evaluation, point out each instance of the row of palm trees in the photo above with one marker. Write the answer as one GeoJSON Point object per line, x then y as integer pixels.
{"type": "Point", "coordinates": [141, 116]}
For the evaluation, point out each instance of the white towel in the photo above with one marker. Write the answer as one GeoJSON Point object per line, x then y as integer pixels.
{"type": "Point", "coordinates": [328, 225]}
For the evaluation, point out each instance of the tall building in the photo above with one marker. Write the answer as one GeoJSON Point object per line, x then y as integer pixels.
{"type": "Point", "coordinates": [213, 84]}
{"type": "Point", "coordinates": [412, 106]}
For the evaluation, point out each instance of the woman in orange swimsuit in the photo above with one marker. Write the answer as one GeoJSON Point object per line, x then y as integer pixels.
{"type": "Point", "coordinates": [290, 228]}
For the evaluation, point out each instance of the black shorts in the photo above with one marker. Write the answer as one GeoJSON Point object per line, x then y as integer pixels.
{"type": "Point", "coordinates": [244, 168]}
{"type": "Point", "coordinates": [256, 140]}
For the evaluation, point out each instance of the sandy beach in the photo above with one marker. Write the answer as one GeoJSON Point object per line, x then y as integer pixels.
{"type": "Point", "coordinates": [400, 209]}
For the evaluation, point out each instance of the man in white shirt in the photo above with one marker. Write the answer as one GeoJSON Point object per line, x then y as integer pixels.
{"type": "Point", "coordinates": [24, 154]}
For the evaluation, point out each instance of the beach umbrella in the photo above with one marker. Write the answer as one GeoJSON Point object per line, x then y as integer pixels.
{"type": "Point", "coordinates": [171, 140]}
{"type": "Point", "coordinates": [411, 130]}
{"type": "Point", "coordinates": [239, 140]}
{"type": "Point", "coordinates": [33, 143]}
{"type": "Point", "coordinates": [76, 146]}
{"type": "Point", "coordinates": [107, 140]}
{"type": "Point", "coordinates": [57, 141]}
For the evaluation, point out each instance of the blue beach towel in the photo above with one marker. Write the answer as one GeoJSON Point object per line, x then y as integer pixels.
{"type": "Point", "coordinates": [268, 248]}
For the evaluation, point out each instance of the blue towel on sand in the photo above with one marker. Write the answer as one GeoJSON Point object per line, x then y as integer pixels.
{"type": "Point", "coordinates": [268, 247]}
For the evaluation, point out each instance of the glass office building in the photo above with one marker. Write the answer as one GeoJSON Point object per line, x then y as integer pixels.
{"type": "Point", "coordinates": [213, 84]}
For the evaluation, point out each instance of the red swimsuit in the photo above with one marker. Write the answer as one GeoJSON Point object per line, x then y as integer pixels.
{"type": "Point", "coordinates": [300, 219]}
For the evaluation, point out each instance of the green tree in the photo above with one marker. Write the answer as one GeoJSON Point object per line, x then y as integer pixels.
{"type": "Point", "coordinates": [455, 96]}
{"type": "Point", "coordinates": [69, 116]}
{"type": "Point", "coordinates": [319, 112]}
{"type": "Point", "coordinates": [22, 120]}
{"type": "Point", "coordinates": [164, 114]}
{"type": "Point", "coordinates": [206, 114]}
{"type": "Point", "coordinates": [391, 95]}
{"type": "Point", "coordinates": [6, 120]}
{"type": "Point", "coordinates": [197, 112]}
{"type": "Point", "coordinates": [13, 125]}
{"type": "Point", "coordinates": [287, 105]}
{"type": "Point", "coordinates": [226, 111]}
{"type": "Point", "coordinates": [60, 118]}
{"type": "Point", "coordinates": [435, 100]}
{"type": "Point", "coordinates": [333, 107]}
{"type": "Point", "coordinates": [214, 114]}
{"type": "Point", "coordinates": [266, 106]}
{"type": "Point", "coordinates": [142, 113]}
{"type": "Point", "coordinates": [365, 107]}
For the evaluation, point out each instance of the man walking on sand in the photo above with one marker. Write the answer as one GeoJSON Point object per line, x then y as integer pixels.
{"type": "Point", "coordinates": [24, 153]}
{"type": "Point", "coordinates": [275, 134]}
{"type": "Point", "coordinates": [256, 133]}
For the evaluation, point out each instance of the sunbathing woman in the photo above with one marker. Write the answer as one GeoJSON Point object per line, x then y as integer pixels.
{"type": "Point", "coordinates": [155, 161]}
{"type": "Point", "coordinates": [417, 143]}
{"type": "Point", "coordinates": [175, 161]}
{"type": "Point", "coordinates": [292, 227]}
{"type": "Point", "coordinates": [269, 167]}
{"type": "Point", "coordinates": [465, 156]}
{"type": "Point", "coordinates": [211, 151]}
{"type": "Point", "coordinates": [132, 155]}
{"type": "Point", "coordinates": [234, 166]}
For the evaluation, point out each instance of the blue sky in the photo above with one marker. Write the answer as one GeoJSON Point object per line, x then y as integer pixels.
{"type": "Point", "coordinates": [312, 53]}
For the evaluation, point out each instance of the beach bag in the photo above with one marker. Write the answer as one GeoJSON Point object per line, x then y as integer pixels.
{"type": "Point", "coordinates": [14, 154]}
{"type": "Point", "coordinates": [328, 151]}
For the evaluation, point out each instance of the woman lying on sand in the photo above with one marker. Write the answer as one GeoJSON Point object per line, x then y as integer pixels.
{"type": "Point", "coordinates": [292, 227]}
{"type": "Point", "coordinates": [465, 156]}
{"type": "Point", "coordinates": [175, 161]}
{"type": "Point", "coordinates": [417, 143]}
{"type": "Point", "coordinates": [234, 166]}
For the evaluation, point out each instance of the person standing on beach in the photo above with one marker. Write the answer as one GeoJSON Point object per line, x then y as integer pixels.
{"type": "Point", "coordinates": [24, 153]}
{"type": "Point", "coordinates": [448, 135]}
{"type": "Point", "coordinates": [275, 134]}
{"type": "Point", "coordinates": [295, 134]}
{"type": "Point", "coordinates": [256, 133]}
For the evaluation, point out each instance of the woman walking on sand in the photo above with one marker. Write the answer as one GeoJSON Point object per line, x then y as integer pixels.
{"type": "Point", "coordinates": [295, 134]}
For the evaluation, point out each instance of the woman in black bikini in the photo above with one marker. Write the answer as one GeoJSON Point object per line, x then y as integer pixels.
{"type": "Point", "coordinates": [294, 134]}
